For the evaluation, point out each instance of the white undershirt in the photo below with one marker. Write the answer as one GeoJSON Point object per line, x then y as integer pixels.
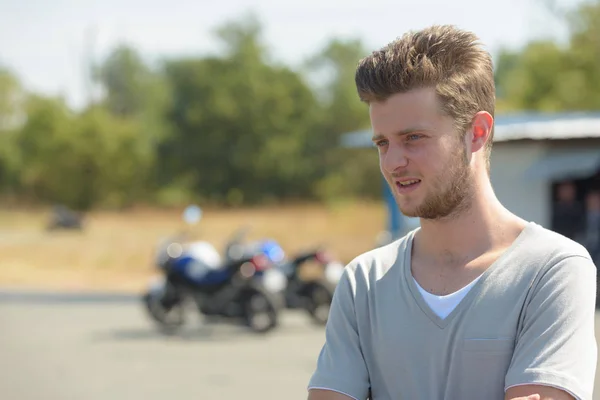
{"type": "Point", "coordinates": [442, 306]}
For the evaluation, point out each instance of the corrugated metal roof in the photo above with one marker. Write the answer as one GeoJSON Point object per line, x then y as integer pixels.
{"type": "Point", "coordinates": [562, 164]}
{"type": "Point", "coordinates": [547, 126]}
{"type": "Point", "coordinates": [518, 126]}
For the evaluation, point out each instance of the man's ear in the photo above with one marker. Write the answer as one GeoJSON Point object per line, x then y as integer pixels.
{"type": "Point", "coordinates": [481, 129]}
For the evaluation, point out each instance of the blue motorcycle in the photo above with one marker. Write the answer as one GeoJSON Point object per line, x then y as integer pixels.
{"type": "Point", "coordinates": [312, 295]}
{"type": "Point", "coordinates": [243, 287]}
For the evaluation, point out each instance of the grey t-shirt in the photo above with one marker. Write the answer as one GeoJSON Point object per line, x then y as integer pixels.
{"type": "Point", "coordinates": [528, 320]}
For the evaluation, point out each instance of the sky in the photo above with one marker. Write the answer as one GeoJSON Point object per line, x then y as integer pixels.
{"type": "Point", "coordinates": [46, 43]}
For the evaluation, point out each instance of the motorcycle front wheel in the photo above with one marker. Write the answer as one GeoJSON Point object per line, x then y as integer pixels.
{"type": "Point", "coordinates": [168, 315]}
{"type": "Point", "coordinates": [260, 311]}
{"type": "Point", "coordinates": [317, 297]}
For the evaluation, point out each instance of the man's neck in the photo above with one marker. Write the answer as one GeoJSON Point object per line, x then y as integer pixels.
{"type": "Point", "coordinates": [485, 227]}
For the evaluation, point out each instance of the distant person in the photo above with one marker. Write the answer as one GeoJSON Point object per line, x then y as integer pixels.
{"type": "Point", "coordinates": [476, 303]}
{"type": "Point", "coordinates": [568, 216]}
{"type": "Point", "coordinates": [591, 236]}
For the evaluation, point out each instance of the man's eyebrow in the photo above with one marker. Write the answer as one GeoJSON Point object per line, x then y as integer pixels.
{"type": "Point", "coordinates": [378, 136]}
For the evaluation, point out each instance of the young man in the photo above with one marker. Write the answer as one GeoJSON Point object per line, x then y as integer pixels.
{"type": "Point", "coordinates": [476, 303]}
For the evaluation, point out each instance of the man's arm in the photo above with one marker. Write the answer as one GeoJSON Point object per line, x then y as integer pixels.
{"type": "Point", "coordinates": [320, 394]}
{"type": "Point", "coordinates": [341, 372]}
{"type": "Point", "coordinates": [555, 352]}
{"type": "Point", "coordinates": [529, 392]}
{"type": "Point", "coordinates": [541, 393]}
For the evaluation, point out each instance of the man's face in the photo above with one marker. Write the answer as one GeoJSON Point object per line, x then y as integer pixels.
{"type": "Point", "coordinates": [566, 192]}
{"type": "Point", "coordinates": [421, 156]}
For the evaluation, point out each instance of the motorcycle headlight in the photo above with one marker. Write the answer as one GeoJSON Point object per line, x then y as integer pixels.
{"type": "Point", "coordinates": [334, 271]}
{"type": "Point", "coordinates": [174, 250]}
{"type": "Point", "coordinates": [168, 253]}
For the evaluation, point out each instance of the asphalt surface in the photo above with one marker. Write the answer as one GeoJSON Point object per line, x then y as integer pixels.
{"type": "Point", "coordinates": [103, 347]}
{"type": "Point", "coordinates": [89, 347]}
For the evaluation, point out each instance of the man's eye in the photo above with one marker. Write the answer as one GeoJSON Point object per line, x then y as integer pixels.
{"type": "Point", "coordinates": [413, 137]}
{"type": "Point", "coordinates": [381, 143]}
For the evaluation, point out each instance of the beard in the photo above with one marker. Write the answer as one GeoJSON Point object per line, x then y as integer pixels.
{"type": "Point", "coordinates": [452, 193]}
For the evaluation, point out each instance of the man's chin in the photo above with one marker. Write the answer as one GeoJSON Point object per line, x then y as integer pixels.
{"type": "Point", "coordinates": [410, 212]}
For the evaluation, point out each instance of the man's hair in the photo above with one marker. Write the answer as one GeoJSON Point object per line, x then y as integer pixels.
{"type": "Point", "coordinates": [440, 56]}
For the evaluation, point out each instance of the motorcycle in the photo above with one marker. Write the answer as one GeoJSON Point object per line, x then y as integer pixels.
{"type": "Point", "coordinates": [313, 295]}
{"type": "Point", "coordinates": [242, 288]}
{"type": "Point", "coordinates": [64, 218]}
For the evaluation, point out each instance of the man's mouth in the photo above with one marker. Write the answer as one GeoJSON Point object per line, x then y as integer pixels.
{"type": "Point", "coordinates": [409, 183]}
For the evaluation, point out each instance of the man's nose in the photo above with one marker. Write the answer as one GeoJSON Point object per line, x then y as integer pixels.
{"type": "Point", "coordinates": [393, 159]}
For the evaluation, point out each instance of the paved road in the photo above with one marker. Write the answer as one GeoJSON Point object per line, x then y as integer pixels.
{"type": "Point", "coordinates": [66, 350]}
{"type": "Point", "coordinates": [102, 347]}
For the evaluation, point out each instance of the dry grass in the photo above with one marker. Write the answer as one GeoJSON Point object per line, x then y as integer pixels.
{"type": "Point", "coordinates": [116, 249]}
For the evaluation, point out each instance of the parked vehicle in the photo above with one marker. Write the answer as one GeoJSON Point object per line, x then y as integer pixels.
{"type": "Point", "coordinates": [242, 288]}
{"type": "Point", "coordinates": [313, 295]}
{"type": "Point", "coordinates": [64, 218]}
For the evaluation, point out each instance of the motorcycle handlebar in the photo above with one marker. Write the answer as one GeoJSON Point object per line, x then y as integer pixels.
{"type": "Point", "coordinates": [236, 266]}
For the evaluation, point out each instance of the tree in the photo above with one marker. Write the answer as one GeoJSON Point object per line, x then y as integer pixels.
{"type": "Point", "coordinates": [46, 153]}
{"type": "Point", "coordinates": [533, 78]}
{"type": "Point", "coordinates": [139, 96]}
{"type": "Point", "coordinates": [125, 79]}
{"type": "Point", "coordinates": [11, 115]}
{"type": "Point", "coordinates": [341, 172]}
{"type": "Point", "coordinates": [82, 161]}
{"type": "Point", "coordinates": [11, 101]}
{"type": "Point", "coordinates": [240, 122]}
{"type": "Point", "coordinates": [545, 76]}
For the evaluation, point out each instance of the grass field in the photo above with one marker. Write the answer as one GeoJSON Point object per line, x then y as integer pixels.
{"type": "Point", "coordinates": [115, 250]}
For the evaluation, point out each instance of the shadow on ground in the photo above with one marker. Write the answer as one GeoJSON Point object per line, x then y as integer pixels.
{"type": "Point", "coordinates": [51, 297]}
{"type": "Point", "coordinates": [206, 332]}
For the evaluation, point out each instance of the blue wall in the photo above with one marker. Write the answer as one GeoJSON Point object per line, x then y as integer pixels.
{"type": "Point", "coordinates": [394, 223]}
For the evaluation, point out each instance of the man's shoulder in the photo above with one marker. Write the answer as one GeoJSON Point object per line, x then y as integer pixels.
{"type": "Point", "coordinates": [552, 246]}
{"type": "Point", "coordinates": [372, 265]}
{"type": "Point", "coordinates": [546, 250]}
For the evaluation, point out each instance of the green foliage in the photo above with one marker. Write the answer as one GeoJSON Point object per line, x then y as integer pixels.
{"type": "Point", "coordinates": [248, 129]}
{"type": "Point", "coordinates": [237, 128]}
{"type": "Point", "coordinates": [544, 76]}
{"type": "Point", "coordinates": [349, 173]}
{"type": "Point", "coordinates": [531, 81]}
{"type": "Point", "coordinates": [11, 113]}
{"type": "Point", "coordinates": [81, 160]}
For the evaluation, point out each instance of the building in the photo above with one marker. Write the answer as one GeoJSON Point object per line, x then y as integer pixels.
{"type": "Point", "coordinates": [532, 153]}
